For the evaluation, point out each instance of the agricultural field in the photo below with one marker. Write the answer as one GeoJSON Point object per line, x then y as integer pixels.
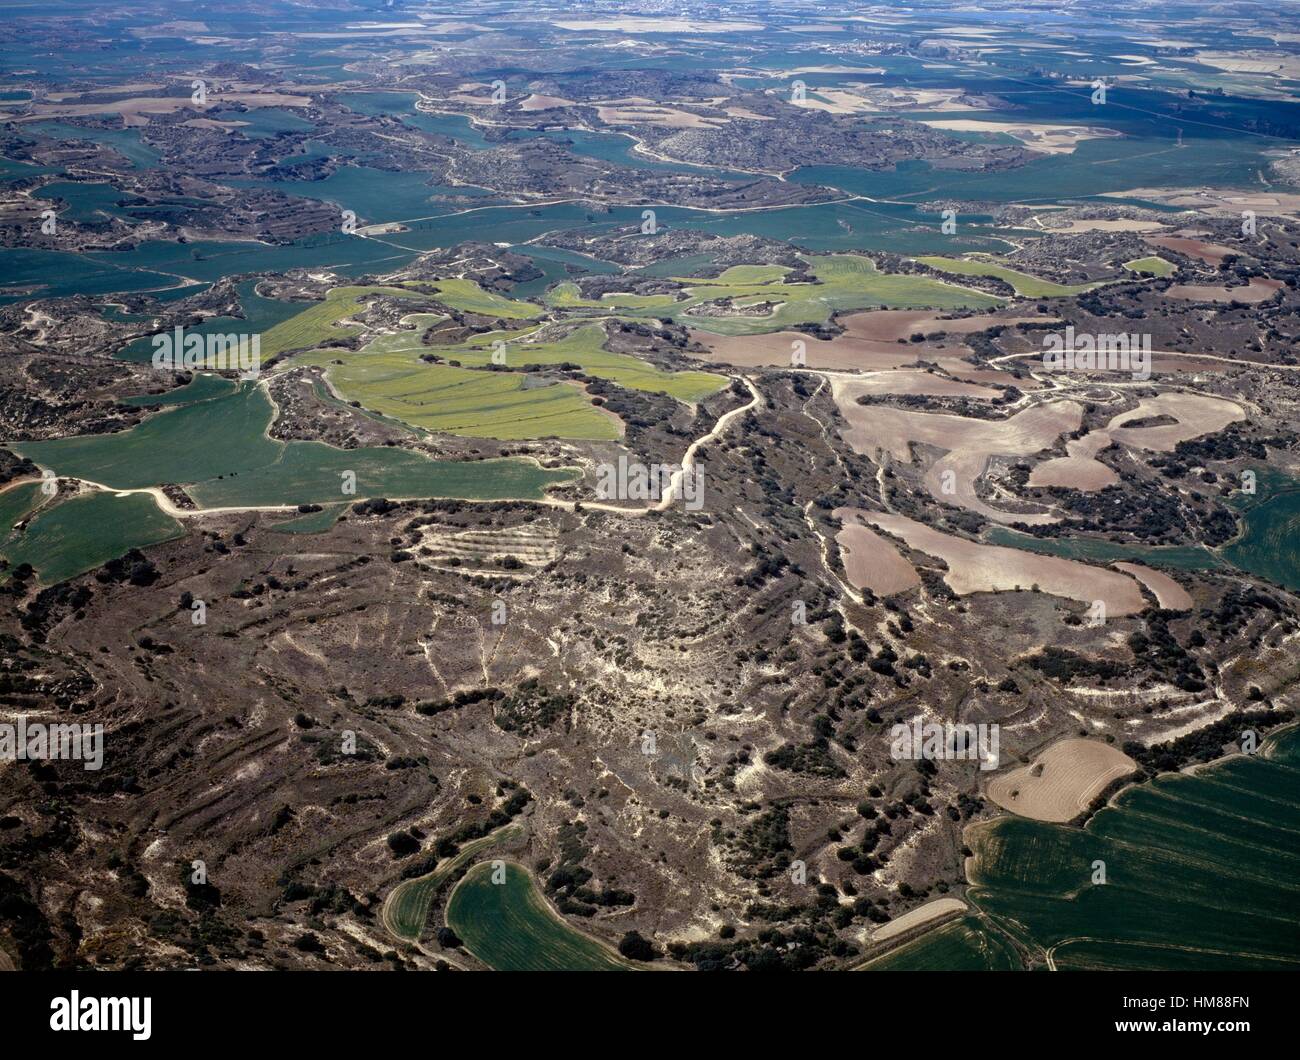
{"type": "Point", "coordinates": [1150, 266]}
{"type": "Point", "coordinates": [582, 346]}
{"type": "Point", "coordinates": [974, 568]}
{"type": "Point", "coordinates": [1022, 283]}
{"type": "Point", "coordinates": [325, 321]}
{"type": "Point", "coordinates": [1168, 593]}
{"type": "Point", "coordinates": [76, 535]}
{"type": "Point", "coordinates": [870, 561]}
{"type": "Point", "coordinates": [510, 927]}
{"type": "Point", "coordinates": [1258, 289]}
{"type": "Point", "coordinates": [964, 945]}
{"type": "Point", "coordinates": [1098, 550]}
{"type": "Point", "coordinates": [1201, 871]}
{"type": "Point", "coordinates": [876, 341]}
{"type": "Point", "coordinates": [842, 282]}
{"type": "Point", "coordinates": [204, 385]}
{"type": "Point", "coordinates": [1269, 544]}
{"type": "Point", "coordinates": [311, 522]}
{"type": "Point", "coordinates": [969, 443]}
{"type": "Point", "coordinates": [623, 551]}
{"type": "Point", "coordinates": [406, 909]}
{"type": "Point", "coordinates": [468, 297]}
{"type": "Point", "coordinates": [16, 501]}
{"type": "Point", "coordinates": [220, 451]}
{"type": "Point", "coordinates": [1062, 781]}
{"type": "Point", "coordinates": [389, 377]}
{"type": "Point", "coordinates": [322, 321]}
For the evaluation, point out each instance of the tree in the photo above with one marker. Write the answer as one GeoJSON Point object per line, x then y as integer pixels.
{"type": "Point", "coordinates": [635, 947]}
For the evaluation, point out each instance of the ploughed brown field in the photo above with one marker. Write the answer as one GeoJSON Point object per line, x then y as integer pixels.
{"type": "Point", "coordinates": [891, 325]}
{"type": "Point", "coordinates": [914, 918]}
{"type": "Point", "coordinates": [871, 562]}
{"type": "Point", "coordinates": [873, 341]}
{"type": "Point", "coordinates": [977, 568]}
{"type": "Point", "coordinates": [1197, 415]}
{"type": "Point", "coordinates": [1161, 364]}
{"type": "Point", "coordinates": [969, 443]}
{"type": "Point", "coordinates": [1062, 781]}
{"type": "Point", "coordinates": [1168, 593]}
{"type": "Point", "coordinates": [1258, 290]}
{"type": "Point", "coordinates": [1210, 253]}
{"type": "Point", "coordinates": [844, 352]}
{"type": "Point", "coordinates": [1079, 470]}
{"type": "Point", "coordinates": [904, 381]}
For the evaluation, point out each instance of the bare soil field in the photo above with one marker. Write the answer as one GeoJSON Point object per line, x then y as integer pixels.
{"type": "Point", "coordinates": [904, 381]}
{"type": "Point", "coordinates": [1076, 473]}
{"type": "Point", "coordinates": [852, 351]}
{"type": "Point", "coordinates": [1062, 781]}
{"type": "Point", "coordinates": [844, 352]}
{"type": "Point", "coordinates": [894, 430]}
{"type": "Point", "coordinates": [1103, 224]}
{"type": "Point", "coordinates": [1258, 290]}
{"type": "Point", "coordinates": [976, 568]}
{"type": "Point", "coordinates": [1210, 253]}
{"type": "Point", "coordinates": [914, 918]}
{"type": "Point", "coordinates": [1168, 593]}
{"type": "Point", "coordinates": [1218, 201]}
{"type": "Point", "coordinates": [891, 325]}
{"type": "Point", "coordinates": [969, 443]}
{"type": "Point", "coordinates": [1079, 470]}
{"type": "Point", "coordinates": [540, 102]}
{"type": "Point", "coordinates": [871, 562]}
{"type": "Point", "coordinates": [1197, 415]}
{"type": "Point", "coordinates": [647, 112]}
{"type": "Point", "coordinates": [1049, 139]}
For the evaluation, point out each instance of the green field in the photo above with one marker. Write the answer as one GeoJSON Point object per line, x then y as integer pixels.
{"type": "Point", "coordinates": [961, 945]}
{"type": "Point", "coordinates": [85, 532]}
{"type": "Point", "coordinates": [1099, 550]}
{"type": "Point", "coordinates": [1202, 871]}
{"type": "Point", "coordinates": [406, 909]}
{"type": "Point", "coordinates": [511, 928]}
{"type": "Point", "coordinates": [388, 377]}
{"type": "Point", "coordinates": [584, 346]}
{"type": "Point", "coordinates": [1150, 266]}
{"type": "Point", "coordinates": [469, 297]}
{"type": "Point", "coordinates": [219, 449]}
{"type": "Point", "coordinates": [16, 502]}
{"type": "Point", "coordinates": [1022, 283]}
{"type": "Point", "coordinates": [843, 282]}
{"type": "Point", "coordinates": [203, 386]}
{"type": "Point", "coordinates": [1269, 544]}
{"type": "Point", "coordinates": [312, 522]}
{"type": "Point", "coordinates": [320, 322]}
